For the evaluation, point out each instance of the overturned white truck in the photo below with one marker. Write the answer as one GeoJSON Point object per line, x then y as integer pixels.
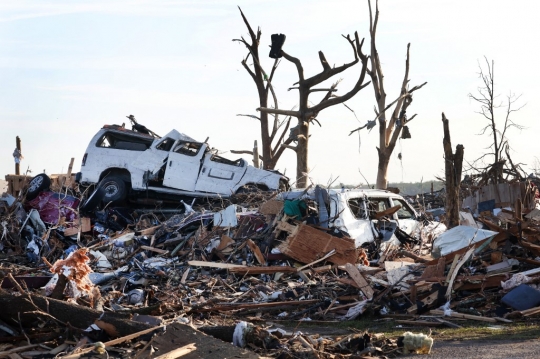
{"type": "Point", "coordinates": [127, 161]}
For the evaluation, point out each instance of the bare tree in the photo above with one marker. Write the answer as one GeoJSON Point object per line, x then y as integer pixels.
{"type": "Point", "coordinates": [306, 114]}
{"type": "Point", "coordinates": [270, 128]}
{"type": "Point", "coordinates": [389, 131]}
{"type": "Point", "coordinates": [489, 104]}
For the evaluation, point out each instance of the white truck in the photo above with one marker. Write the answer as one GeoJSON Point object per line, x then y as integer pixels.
{"type": "Point", "coordinates": [123, 160]}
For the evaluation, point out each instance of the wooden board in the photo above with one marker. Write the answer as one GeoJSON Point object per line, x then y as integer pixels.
{"type": "Point", "coordinates": [263, 270]}
{"type": "Point", "coordinates": [436, 270]}
{"type": "Point", "coordinates": [213, 264]}
{"type": "Point", "coordinates": [309, 244]}
{"type": "Point", "coordinates": [271, 207]}
{"type": "Point", "coordinates": [86, 227]}
{"type": "Point", "coordinates": [256, 252]}
{"type": "Point", "coordinates": [359, 280]}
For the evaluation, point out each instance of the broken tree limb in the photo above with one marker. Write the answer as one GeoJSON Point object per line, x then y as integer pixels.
{"type": "Point", "coordinates": [76, 315]}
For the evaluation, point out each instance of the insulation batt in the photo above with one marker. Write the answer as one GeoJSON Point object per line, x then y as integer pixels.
{"type": "Point", "coordinates": [417, 343]}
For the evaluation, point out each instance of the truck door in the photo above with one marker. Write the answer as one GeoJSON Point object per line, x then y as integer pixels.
{"type": "Point", "coordinates": [183, 165]}
{"type": "Point", "coordinates": [219, 174]}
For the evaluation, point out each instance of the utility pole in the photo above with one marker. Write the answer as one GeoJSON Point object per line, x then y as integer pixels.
{"type": "Point", "coordinates": [18, 156]}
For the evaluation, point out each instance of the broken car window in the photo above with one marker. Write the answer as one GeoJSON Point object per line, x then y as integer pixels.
{"type": "Point", "coordinates": [357, 207]}
{"type": "Point", "coordinates": [216, 158]}
{"type": "Point", "coordinates": [188, 148]}
{"type": "Point", "coordinates": [404, 212]}
{"type": "Point", "coordinates": [165, 145]}
{"type": "Point", "coordinates": [377, 205]}
{"type": "Point", "coordinates": [123, 142]}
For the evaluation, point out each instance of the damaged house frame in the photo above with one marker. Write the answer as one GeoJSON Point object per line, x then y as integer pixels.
{"type": "Point", "coordinates": [127, 161]}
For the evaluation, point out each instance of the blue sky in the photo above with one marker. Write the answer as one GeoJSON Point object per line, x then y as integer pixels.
{"type": "Point", "coordinates": [67, 68]}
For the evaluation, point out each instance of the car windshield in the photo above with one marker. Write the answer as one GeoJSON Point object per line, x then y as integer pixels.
{"type": "Point", "coordinates": [188, 148]}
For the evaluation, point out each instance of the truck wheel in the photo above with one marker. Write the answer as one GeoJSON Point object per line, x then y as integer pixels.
{"type": "Point", "coordinates": [115, 188]}
{"type": "Point", "coordinates": [38, 184]}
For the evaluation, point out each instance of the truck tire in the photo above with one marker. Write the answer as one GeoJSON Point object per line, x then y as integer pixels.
{"type": "Point", "coordinates": [115, 188]}
{"type": "Point", "coordinates": [38, 184]}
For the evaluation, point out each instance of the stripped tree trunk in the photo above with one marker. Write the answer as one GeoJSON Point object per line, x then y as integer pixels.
{"type": "Point", "coordinates": [453, 164]}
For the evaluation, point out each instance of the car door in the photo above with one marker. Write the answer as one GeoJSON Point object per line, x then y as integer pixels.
{"type": "Point", "coordinates": [406, 216]}
{"type": "Point", "coordinates": [219, 174]}
{"type": "Point", "coordinates": [353, 218]}
{"type": "Point", "coordinates": [183, 165]}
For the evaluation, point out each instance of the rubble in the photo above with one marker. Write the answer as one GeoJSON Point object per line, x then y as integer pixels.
{"type": "Point", "coordinates": [120, 275]}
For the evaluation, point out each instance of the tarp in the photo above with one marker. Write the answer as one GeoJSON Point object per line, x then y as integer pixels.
{"type": "Point", "coordinates": [457, 238]}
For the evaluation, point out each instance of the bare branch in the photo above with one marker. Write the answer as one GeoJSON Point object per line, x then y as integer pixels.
{"type": "Point", "coordinates": [279, 112]}
{"type": "Point", "coordinates": [324, 63]}
{"type": "Point", "coordinates": [252, 116]}
{"type": "Point", "coordinates": [297, 63]}
{"type": "Point", "coordinates": [294, 148]}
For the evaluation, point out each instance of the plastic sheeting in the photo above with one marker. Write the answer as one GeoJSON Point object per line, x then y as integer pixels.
{"type": "Point", "coordinates": [457, 238]}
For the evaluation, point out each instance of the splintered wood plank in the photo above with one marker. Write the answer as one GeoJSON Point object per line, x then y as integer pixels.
{"type": "Point", "coordinates": [436, 270]}
{"type": "Point", "coordinates": [271, 207]}
{"type": "Point", "coordinates": [85, 224]}
{"type": "Point", "coordinates": [309, 244]}
{"type": "Point", "coordinates": [287, 227]}
{"type": "Point", "coordinates": [178, 352]}
{"type": "Point", "coordinates": [263, 270]}
{"type": "Point", "coordinates": [360, 280]}
{"type": "Point", "coordinates": [464, 316]}
{"type": "Point", "coordinates": [427, 301]}
{"type": "Point", "coordinates": [256, 252]}
{"type": "Point", "coordinates": [213, 264]}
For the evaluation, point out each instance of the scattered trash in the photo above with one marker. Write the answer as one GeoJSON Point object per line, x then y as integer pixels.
{"type": "Point", "coordinates": [304, 255]}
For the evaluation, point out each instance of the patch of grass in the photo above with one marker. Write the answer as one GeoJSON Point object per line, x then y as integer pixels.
{"type": "Point", "coordinates": [472, 330]}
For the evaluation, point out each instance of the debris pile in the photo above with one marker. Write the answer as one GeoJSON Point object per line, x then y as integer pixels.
{"type": "Point", "coordinates": [237, 268]}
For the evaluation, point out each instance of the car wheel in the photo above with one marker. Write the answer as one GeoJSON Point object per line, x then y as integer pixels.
{"type": "Point", "coordinates": [38, 184]}
{"type": "Point", "coordinates": [94, 200]}
{"type": "Point", "coordinates": [115, 188]}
